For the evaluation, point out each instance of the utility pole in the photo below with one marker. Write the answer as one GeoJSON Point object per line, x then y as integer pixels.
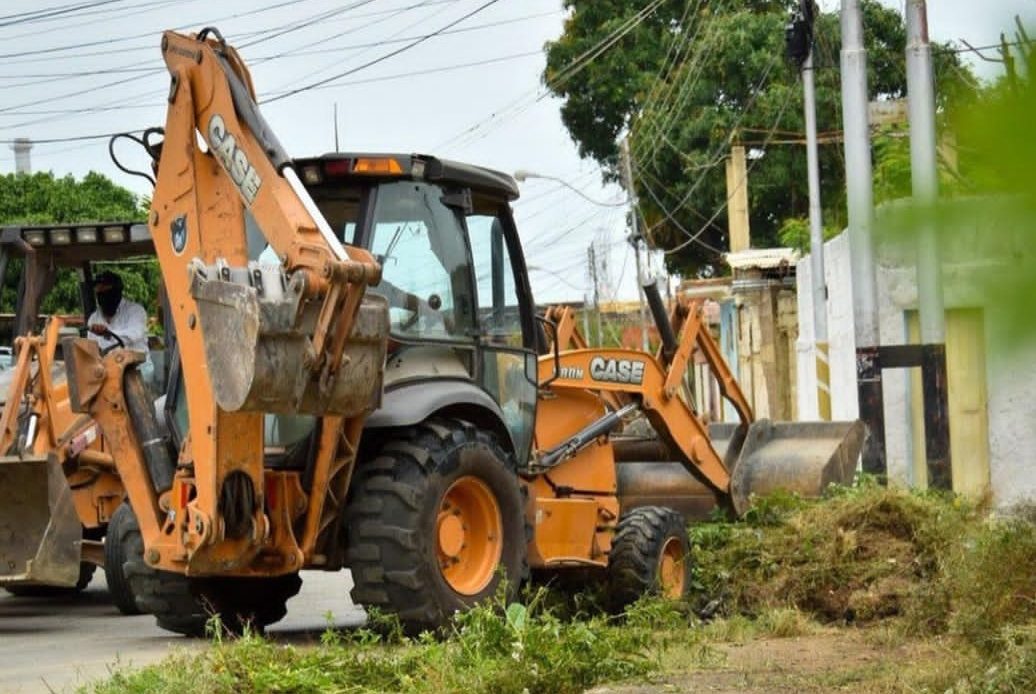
{"type": "Point", "coordinates": [925, 183]}
{"type": "Point", "coordinates": [924, 169]}
{"type": "Point", "coordinates": [737, 197]}
{"type": "Point", "coordinates": [592, 252]}
{"type": "Point", "coordinates": [627, 175]}
{"type": "Point", "coordinates": [800, 49]}
{"type": "Point", "coordinates": [860, 197]}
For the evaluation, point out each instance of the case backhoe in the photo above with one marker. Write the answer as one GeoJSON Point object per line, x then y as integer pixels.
{"type": "Point", "coordinates": [58, 484]}
{"type": "Point", "coordinates": [359, 380]}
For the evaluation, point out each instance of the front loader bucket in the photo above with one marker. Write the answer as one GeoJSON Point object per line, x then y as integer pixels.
{"type": "Point", "coordinates": [799, 457]}
{"type": "Point", "coordinates": [40, 532]}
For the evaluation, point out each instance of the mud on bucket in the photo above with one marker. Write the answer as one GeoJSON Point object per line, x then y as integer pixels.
{"type": "Point", "coordinates": [799, 457]}
{"type": "Point", "coordinates": [256, 328]}
{"type": "Point", "coordinates": [40, 533]}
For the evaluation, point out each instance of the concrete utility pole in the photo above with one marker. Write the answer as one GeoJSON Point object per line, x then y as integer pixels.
{"type": "Point", "coordinates": [627, 175]}
{"type": "Point", "coordinates": [925, 179]}
{"type": "Point", "coordinates": [816, 247]}
{"type": "Point", "coordinates": [924, 169]}
{"type": "Point", "coordinates": [799, 36]}
{"type": "Point", "coordinates": [737, 200]}
{"type": "Point", "coordinates": [860, 194]}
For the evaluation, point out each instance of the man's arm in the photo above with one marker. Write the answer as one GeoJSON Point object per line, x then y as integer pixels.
{"type": "Point", "coordinates": [133, 329]}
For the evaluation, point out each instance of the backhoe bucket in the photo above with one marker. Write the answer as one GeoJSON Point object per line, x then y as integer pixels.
{"type": "Point", "coordinates": [40, 532]}
{"type": "Point", "coordinates": [799, 457]}
{"type": "Point", "coordinates": [258, 351]}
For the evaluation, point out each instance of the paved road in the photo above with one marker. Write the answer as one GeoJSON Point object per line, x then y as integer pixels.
{"type": "Point", "coordinates": [54, 645]}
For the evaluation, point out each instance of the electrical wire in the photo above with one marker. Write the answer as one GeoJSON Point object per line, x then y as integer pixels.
{"type": "Point", "coordinates": [694, 238]}
{"type": "Point", "coordinates": [383, 57]}
{"type": "Point", "coordinates": [522, 103]}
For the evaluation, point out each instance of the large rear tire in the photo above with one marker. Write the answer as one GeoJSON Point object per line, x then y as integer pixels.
{"type": "Point", "coordinates": [121, 542]}
{"type": "Point", "coordinates": [649, 556]}
{"type": "Point", "coordinates": [185, 605]}
{"type": "Point", "coordinates": [435, 522]}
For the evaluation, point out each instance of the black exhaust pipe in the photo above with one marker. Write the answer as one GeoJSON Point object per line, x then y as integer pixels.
{"type": "Point", "coordinates": [658, 312]}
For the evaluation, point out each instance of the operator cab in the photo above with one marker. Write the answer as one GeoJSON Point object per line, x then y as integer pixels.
{"type": "Point", "coordinates": [460, 306]}
{"type": "Point", "coordinates": [53, 261]}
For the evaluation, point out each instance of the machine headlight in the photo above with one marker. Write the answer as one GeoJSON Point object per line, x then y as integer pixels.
{"type": "Point", "coordinates": [311, 175]}
{"type": "Point", "coordinates": [61, 237]}
{"type": "Point", "coordinates": [114, 234]}
{"type": "Point", "coordinates": [36, 237]}
{"type": "Point", "coordinates": [86, 235]}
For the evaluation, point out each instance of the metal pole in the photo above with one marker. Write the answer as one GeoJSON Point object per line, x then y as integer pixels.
{"type": "Point", "coordinates": [923, 167]}
{"type": "Point", "coordinates": [860, 197]}
{"type": "Point", "coordinates": [925, 180]}
{"type": "Point", "coordinates": [816, 245]}
{"type": "Point", "coordinates": [627, 174]}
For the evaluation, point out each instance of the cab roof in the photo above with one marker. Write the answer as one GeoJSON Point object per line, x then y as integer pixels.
{"type": "Point", "coordinates": [366, 165]}
{"type": "Point", "coordinates": [74, 244]}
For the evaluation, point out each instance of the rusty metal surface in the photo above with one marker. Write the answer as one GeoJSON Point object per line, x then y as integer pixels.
{"type": "Point", "coordinates": [260, 358]}
{"type": "Point", "coordinates": [800, 457]}
{"type": "Point", "coordinates": [664, 483]}
{"type": "Point", "coordinates": [39, 529]}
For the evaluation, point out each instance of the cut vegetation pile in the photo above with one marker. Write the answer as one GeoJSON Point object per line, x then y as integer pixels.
{"type": "Point", "coordinates": [861, 555]}
{"type": "Point", "coordinates": [935, 564]}
{"type": "Point", "coordinates": [932, 567]}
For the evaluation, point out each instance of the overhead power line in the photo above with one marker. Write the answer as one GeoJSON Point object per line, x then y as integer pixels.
{"type": "Point", "coordinates": [523, 102]}
{"type": "Point", "coordinates": [381, 58]}
{"type": "Point", "coordinates": [37, 15]}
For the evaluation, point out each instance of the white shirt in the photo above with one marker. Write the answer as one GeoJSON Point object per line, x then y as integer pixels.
{"type": "Point", "coordinates": [129, 323]}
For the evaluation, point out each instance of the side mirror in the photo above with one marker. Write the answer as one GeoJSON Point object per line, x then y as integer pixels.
{"type": "Point", "coordinates": [557, 354]}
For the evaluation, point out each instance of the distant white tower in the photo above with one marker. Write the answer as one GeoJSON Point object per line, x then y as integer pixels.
{"type": "Point", "coordinates": [22, 159]}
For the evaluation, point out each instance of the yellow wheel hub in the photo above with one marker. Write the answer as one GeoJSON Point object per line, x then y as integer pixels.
{"type": "Point", "coordinates": [469, 535]}
{"type": "Point", "coordinates": [671, 577]}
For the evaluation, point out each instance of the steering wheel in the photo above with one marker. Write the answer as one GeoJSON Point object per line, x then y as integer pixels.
{"type": "Point", "coordinates": [119, 344]}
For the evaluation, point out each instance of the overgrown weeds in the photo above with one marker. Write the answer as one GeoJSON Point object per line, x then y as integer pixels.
{"type": "Point", "coordinates": [497, 647]}
{"type": "Point", "coordinates": [912, 564]}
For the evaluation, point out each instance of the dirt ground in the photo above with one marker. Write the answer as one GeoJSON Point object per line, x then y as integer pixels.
{"type": "Point", "coordinates": [835, 660]}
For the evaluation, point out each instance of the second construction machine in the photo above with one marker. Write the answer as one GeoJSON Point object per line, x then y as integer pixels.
{"type": "Point", "coordinates": [359, 380]}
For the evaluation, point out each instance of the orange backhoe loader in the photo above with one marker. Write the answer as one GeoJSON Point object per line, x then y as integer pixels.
{"type": "Point", "coordinates": [58, 482]}
{"type": "Point", "coordinates": [359, 381]}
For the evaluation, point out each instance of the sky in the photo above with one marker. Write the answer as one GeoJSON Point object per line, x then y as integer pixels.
{"type": "Point", "coordinates": [472, 93]}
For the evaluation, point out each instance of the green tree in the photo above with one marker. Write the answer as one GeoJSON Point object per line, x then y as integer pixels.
{"type": "Point", "coordinates": [695, 77]}
{"type": "Point", "coordinates": [43, 198]}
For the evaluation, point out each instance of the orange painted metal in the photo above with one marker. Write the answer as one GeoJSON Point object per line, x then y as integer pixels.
{"type": "Point", "coordinates": [671, 576]}
{"type": "Point", "coordinates": [573, 506]}
{"type": "Point", "coordinates": [184, 531]}
{"type": "Point", "coordinates": [73, 438]}
{"type": "Point", "coordinates": [469, 536]}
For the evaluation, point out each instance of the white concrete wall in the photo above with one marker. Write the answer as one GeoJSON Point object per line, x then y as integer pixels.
{"type": "Point", "coordinates": [1010, 373]}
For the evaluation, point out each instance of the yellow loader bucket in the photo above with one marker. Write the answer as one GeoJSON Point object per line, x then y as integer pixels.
{"type": "Point", "coordinates": [40, 533]}
{"type": "Point", "coordinates": [799, 457]}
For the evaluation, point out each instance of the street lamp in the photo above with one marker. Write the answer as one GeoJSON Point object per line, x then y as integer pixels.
{"type": "Point", "coordinates": [521, 175]}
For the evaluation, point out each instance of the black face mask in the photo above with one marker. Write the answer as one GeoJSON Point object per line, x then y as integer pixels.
{"type": "Point", "coordinates": [109, 302]}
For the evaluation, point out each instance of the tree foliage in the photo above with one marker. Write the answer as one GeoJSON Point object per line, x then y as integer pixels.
{"type": "Point", "coordinates": [43, 198]}
{"type": "Point", "coordinates": [695, 77]}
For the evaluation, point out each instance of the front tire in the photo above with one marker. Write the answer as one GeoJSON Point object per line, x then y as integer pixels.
{"type": "Point", "coordinates": [121, 542]}
{"type": "Point", "coordinates": [435, 523]}
{"type": "Point", "coordinates": [184, 605]}
{"type": "Point", "coordinates": [649, 556]}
